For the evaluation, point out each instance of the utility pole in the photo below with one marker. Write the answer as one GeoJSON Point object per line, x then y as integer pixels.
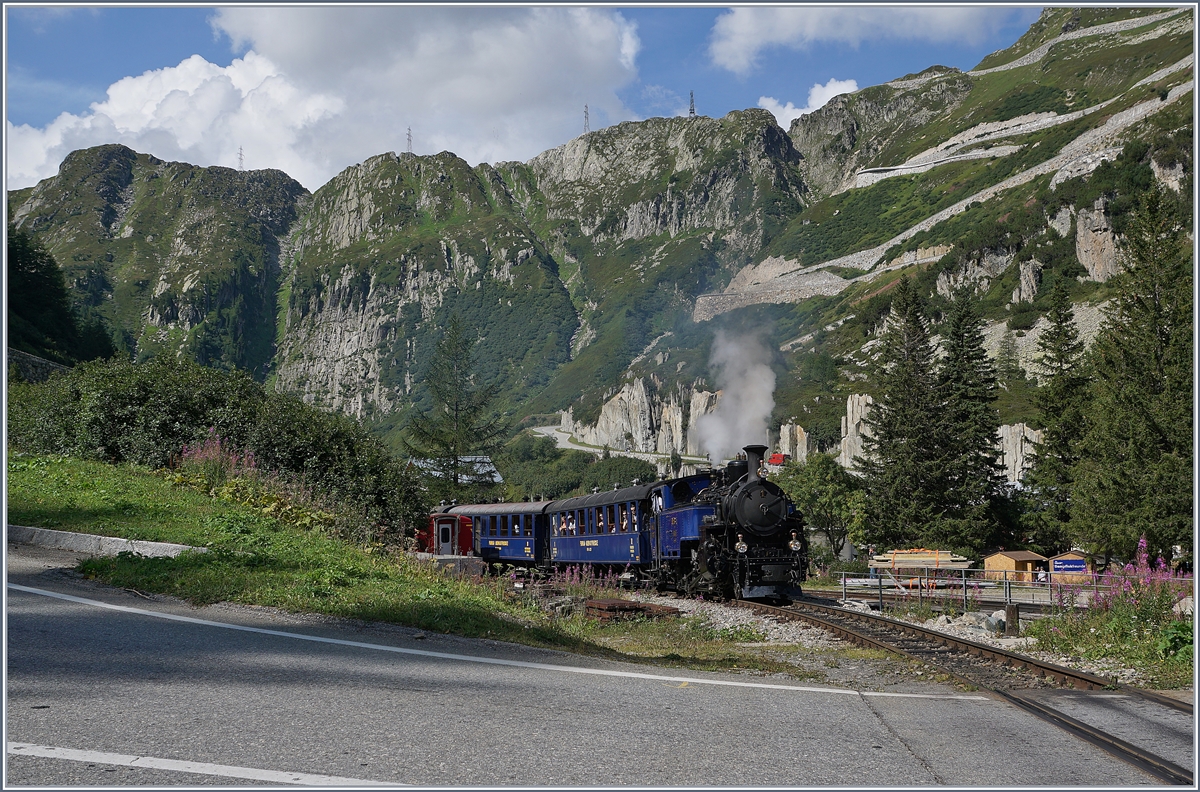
{"type": "Point", "coordinates": [692, 105]}
{"type": "Point", "coordinates": [409, 149]}
{"type": "Point", "coordinates": [241, 160]}
{"type": "Point", "coordinates": [586, 126]}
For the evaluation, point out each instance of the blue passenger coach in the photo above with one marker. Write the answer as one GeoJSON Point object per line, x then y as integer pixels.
{"type": "Point", "coordinates": [603, 528]}
{"type": "Point", "coordinates": [511, 533]}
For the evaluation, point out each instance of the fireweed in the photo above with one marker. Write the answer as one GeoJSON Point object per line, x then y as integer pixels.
{"type": "Point", "coordinates": [1128, 613]}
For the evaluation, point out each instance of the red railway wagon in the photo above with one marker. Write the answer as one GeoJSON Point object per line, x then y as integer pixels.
{"type": "Point", "coordinates": [446, 534]}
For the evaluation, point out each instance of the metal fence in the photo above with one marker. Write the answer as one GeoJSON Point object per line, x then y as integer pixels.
{"type": "Point", "coordinates": [1000, 587]}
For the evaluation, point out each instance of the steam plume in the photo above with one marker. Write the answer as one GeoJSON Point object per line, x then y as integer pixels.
{"type": "Point", "coordinates": [748, 397]}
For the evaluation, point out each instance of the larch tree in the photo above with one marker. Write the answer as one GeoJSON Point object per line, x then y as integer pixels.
{"type": "Point", "coordinates": [970, 430]}
{"type": "Point", "coordinates": [829, 497]}
{"type": "Point", "coordinates": [1134, 474]}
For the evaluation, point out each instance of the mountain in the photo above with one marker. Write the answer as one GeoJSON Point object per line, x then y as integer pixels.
{"type": "Point", "coordinates": [598, 274]}
{"type": "Point", "coordinates": [179, 259]}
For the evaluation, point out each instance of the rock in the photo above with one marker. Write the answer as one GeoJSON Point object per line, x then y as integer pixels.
{"type": "Point", "coordinates": [1016, 449]}
{"type": "Point", "coordinates": [853, 428]}
{"type": "Point", "coordinates": [795, 442]}
{"type": "Point", "coordinates": [976, 272]}
{"type": "Point", "coordinates": [642, 419]}
{"type": "Point", "coordinates": [1061, 222]}
{"type": "Point", "coordinates": [1095, 245]}
{"type": "Point", "coordinates": [1030, 279]}
{"type": "Point", "coordinates": [1170, 177]}
{"type": "Point", "coordinates": [1184, 608]}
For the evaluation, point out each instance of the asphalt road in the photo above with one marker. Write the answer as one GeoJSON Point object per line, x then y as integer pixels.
{"type": "Point", "coordinates": [199, 702]}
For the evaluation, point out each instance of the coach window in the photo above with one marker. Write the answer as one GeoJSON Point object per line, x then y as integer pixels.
{"type": "Point", "coordinates": [529, 519]}
{"type": "Point", "coordinates": [516, 524]}
{"type": "Point", "coordinates": [491, 521]}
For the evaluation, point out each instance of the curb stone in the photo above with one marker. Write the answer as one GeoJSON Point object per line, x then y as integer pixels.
{"type": "Point", "coordinates": [95, 545]}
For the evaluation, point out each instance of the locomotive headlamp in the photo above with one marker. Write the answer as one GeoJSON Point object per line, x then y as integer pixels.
{"type": "Point", "coordinates": [795, 543]}
{"type": "Point", "coordinates": [741, 545]}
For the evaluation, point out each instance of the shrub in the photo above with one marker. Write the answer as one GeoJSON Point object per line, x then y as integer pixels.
{"type": "Point", "coordinates": [221, 425]}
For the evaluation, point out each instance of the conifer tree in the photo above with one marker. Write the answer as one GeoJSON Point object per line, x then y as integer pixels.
{"type": "Point", "coordinates": [967, 391]}
{"type": "Point", "coordinates": [1134, 475]}
{"type": "Point", "coordinates": [1060, 402]}
{"type": "Point", "coordinates": [1008, 365]}
{"type": "Point", "coordinates": [40, 318]}
{"type": "Point", "coordinates": [461, 427]}
{"type": "Point", "coordinates": [903, 462]}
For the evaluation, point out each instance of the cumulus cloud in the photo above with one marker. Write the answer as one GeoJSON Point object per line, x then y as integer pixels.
{"type": "Point", "coordinates": [747, 383]}
{"type": "Point", "coordinates": [322, 88]}
{"type": "Point", "coordinates": [818, 96]}
{"type": "Point", "coordinates": [741, 34]}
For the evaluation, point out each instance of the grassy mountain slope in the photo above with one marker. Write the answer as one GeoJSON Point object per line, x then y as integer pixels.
{"type": "Point", "coordinates": [644, 216]}
{"type": "Point", "coordinates": [177, 258]}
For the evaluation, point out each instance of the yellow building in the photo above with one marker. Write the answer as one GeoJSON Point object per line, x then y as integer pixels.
{"type": "Point", "coordinates": [1014, 564]}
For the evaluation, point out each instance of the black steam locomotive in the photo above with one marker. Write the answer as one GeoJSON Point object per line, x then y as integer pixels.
{"type": "Point", "coordinates": [725, 533]}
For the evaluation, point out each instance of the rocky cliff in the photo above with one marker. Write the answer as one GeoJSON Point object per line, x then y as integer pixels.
{"type": "Point", "coordinates": [384, 254]}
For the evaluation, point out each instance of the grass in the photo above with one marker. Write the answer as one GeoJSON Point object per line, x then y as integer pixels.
{"type": "Point", "coordinates": [253, 558]}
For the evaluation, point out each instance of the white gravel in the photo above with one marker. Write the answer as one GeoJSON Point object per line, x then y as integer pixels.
{"type": "Point", "coordinates": [723, 617]}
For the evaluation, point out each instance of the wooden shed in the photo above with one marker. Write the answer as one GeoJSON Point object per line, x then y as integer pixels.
{"type": "Point", "coordinates": [1070, 567]}
{"type": "Point", "coordinates": [1018, 564]}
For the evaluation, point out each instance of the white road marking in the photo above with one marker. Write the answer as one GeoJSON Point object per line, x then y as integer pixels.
{"type": "Point", "coordinates": [487, 660]}
{"type": "Point", "coordinates": [203, 768]}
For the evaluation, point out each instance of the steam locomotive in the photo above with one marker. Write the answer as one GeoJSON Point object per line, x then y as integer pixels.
{"type": "Point", "coordinates": [723, 533]}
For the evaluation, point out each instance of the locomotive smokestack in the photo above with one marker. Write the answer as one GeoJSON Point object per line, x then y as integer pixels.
{"type": "Point", "coordinates": [754, 458]}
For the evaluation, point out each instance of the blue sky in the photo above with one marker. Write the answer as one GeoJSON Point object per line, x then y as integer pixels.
{"type": "Point", "coordinates": [314, 90]}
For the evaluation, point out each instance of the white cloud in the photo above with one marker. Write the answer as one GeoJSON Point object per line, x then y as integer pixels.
{"type": "Point", "coordinates": [325, 87]}
{"type": "Point", "coordinates": [741, 34]}
{"type": "Point", "coordinates": [818, 96]}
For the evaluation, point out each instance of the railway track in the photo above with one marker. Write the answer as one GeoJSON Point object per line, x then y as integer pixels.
{"type": "Point", "coordinates": [1006, 675]}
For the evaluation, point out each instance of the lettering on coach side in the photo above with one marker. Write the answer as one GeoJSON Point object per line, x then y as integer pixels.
{"type": "Point", "coordinates": [498, 543]}
{"type": "Point", "coordinates": [589, 542]}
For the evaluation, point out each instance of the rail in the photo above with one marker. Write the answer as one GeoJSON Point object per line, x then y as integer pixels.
{"type": "Point", "coordinates": [886, 634]}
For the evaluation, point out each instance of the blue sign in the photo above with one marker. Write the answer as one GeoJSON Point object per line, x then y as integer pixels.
{"type": "Point", "coordinates": [1068, 565]}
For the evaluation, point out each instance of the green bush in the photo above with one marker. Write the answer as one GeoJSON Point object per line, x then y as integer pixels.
{"type": "Point", "coordinates": [1175, 639]}
{"type": "Point", "coordinates": [148, 413]}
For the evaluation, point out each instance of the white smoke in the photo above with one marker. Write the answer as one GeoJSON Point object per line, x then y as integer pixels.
{"type": "Point", "coordinates": [747, 383]}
